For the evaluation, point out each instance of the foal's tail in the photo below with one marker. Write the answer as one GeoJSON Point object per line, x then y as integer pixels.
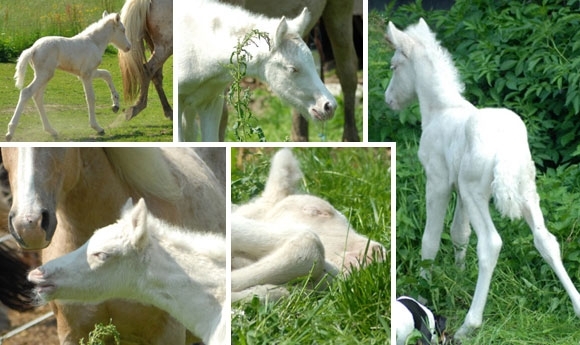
{"type": "Point", "coordinates": [133, 16]}
{"type": "Point", "coordinates": [514, 176]}
{"type": "Point", "coordinates": [284, 176]}
{"type": "Point", "coordinates": [21, 66]}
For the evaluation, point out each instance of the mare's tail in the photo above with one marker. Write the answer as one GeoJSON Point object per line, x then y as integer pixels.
{"type": "Point", "coordinates": [21, 66]}
{"type": "Point", "coordinates": [284, 176]}
{"type": "Point", "coordinates": [514, 175]}
{"type": "Point", "coordinates": [133, 16]}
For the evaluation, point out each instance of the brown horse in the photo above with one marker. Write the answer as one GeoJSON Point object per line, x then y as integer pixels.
{"type": "Point", "coordinates": [337, 18]}
{"type": "Point", "coordinates": [61, 195]}
{"type": "Point", "coordinates": [150, 21]}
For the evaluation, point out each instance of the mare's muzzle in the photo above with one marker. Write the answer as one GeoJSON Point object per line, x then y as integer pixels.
{"type": "Point", "coordinates": [32, 230]}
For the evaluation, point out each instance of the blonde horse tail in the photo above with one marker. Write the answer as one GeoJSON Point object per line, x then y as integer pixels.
{"type": "Point", "coordinates": [283, 178]}
{"type": "Point", "coordinates": [21, 66]}
{"type": "Point", "coordinates": [133, 16]}
{"type": "Point", "coordinates": [514, 177]}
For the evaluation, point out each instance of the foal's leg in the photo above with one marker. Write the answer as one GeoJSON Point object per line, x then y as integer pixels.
{"type": "Point", "coordinates": [90, 97]}
{"type": "Point", "coordinates": [476, 202]}
{"type": "Point", "coordinates": [438, 194]}
{"type": "Point", "coordinates": [283, 252]}
{"type": "Point", "coordinates": [106, 76]}
{"type": "Point", "coordinates": [39, 101]}
{"type": "Point", "coordinates": [460, 232]}
{"type": "Point", "coordinates": [549, 248]}
{"type": "Point", "coordinates": [39, 83]}
{"type": "Point", "coordinates": [209, 119]}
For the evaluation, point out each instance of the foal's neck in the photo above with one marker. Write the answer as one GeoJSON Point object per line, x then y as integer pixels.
{"type": "Point", "coordinates": [436, 95]}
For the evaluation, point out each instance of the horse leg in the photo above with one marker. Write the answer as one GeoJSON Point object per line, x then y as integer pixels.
{"type": "Point", "coordinates": [90, 97]}
{"type": "Point", "coordinates": [437, 195]}
{"type": "Point", "coordinates": [549, 248]}
{"type": "Point", "coordinates": [106, 76]}
{"type": "Point", "coordinates": [158, 82]}
{"type": "Point", "coordinates": [460, 232]}
{"type": "Point", "coordinates": [283, 253]}
{"type": "Point", "coordinates": [25, 95]}
{"type": "Point", "coordinates": [39, 101]}
{"type": "Point", "coordinates": [337, 17]}
{"type": "Point", "coordinates": [299, 127]}
{"type": "Point", "coordinates": [489, 243]}
{"type": "Point", "coordinates": [209, 119]}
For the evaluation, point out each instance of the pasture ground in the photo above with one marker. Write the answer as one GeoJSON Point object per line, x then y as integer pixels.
{"type": "Point", "coordinates": [355, 310]}
{"type": "Point", "coordinates": [67, 109]}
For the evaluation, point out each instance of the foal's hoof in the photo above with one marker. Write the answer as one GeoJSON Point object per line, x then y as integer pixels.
{"type": "Point", "coordinates": [115, 109]}
{"type": "Point", "coordinates": [101, 132]}
{"type": "Point", "coordinates": [8, 137]}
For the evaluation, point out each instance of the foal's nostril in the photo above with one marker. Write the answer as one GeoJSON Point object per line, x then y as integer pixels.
{"type": "Point", "coordinates": [328, 107]}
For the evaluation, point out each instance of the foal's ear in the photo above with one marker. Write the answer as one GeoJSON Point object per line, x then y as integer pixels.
{"type": "Point", "coordinates": [105, 13]}
{"type": "Point", "coordinates": [281, 32]}
{"type": "Point", "coordinates": [398, 39]}
{"type": "Point", "coordinates": [139, 224]}
{"type": "Point", "coordinates": [300, 23]}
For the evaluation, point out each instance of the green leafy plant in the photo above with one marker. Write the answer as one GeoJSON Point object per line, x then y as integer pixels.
{"type": "Point", "coordinates": [102, 335]}
{"type": "Point", "coordinates": [239, 97]}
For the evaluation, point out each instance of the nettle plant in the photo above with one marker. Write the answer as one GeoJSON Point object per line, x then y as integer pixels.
{"type": "Point", "coordinates": [524, 56]}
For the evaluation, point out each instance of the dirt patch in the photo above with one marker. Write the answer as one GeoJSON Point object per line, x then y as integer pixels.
{"type": "Point", "coordinates": [43, 333]}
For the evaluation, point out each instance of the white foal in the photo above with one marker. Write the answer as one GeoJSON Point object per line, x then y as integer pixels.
{"type": "Point", "coordinates": [206, 36]}
{"type": "Point", "coordinates": [478, 152]}
{"type": "Point", "coordinates": [143, 258]}
{"type": "Point", "coordinates": [283, 235]}
{"type": "Point", "coordinates": [79, 55]}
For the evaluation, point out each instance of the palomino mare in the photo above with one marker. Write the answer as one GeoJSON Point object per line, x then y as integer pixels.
{"type": "Point", "coordinates": [337, 18]}
{"type": "Point", "coordinates": [61, 195]}
{"type": "Point", "coordinates": [79, 55]}
{"type": "Point", "coordinates": [149, 21]}
{"type": "Point", "coordinates": [478, 152]}
{"type": "Point", "coordinates": [267, 231]}
{"type": "Point", "coordinates": [285, 63]}
{"type": "Point", "coordinates": [142, 258]}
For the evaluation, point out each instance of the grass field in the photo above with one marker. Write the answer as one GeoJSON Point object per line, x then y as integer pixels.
{"type": "Point", "coordinates": [67, 109]}
{"type": "Point", "coordinates": [354, 310]}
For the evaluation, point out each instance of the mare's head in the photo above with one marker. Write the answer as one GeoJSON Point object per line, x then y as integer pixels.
{"type": "Point", "coordinates": [106, 266]}
{"type": "Point", "coordinates": [419, 61]}
{"type": "Point", "coordinates": [291, 73]}
{"type": "Point", "coordinates": [37, 178]}
{"type": "Point", "coordinates": [118, 37]}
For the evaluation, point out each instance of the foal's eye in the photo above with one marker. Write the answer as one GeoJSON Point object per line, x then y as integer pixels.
{"type": "Point", "coordinates": [393, 67]}
{"type": "Point", "coordinates": [102, 256]}
{"type": "Point", "coordinates": [292, 69]}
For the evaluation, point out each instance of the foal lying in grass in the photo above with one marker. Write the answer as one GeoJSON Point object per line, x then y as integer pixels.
{"type": "Point", "coordinates": [144, 259]}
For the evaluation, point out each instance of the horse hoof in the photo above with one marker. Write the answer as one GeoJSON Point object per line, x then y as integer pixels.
{"type": "Point", "coordinates": [101, 132]}
{"type": "Point", "coordinates": [131, 113]}
{"type": "Point", "coordinates": [115, 109]}
{"type": "Point", "coordinates": [8, 137]}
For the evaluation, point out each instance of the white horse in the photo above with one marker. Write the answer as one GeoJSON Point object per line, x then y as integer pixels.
{"type": "Point", "coordinates": [206, 35]}
{"type": "Point", "coordinates": [79, 55]}
{"type": "Point", "coordinates": [145, 259]}
{"type": "Point", "coordinates": [478, 152]}
{"type": "Point", "coordinates": [283, 235]}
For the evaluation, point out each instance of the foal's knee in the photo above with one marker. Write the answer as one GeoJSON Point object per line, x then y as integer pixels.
{"type": "Point", "coordinates": [307, 252]}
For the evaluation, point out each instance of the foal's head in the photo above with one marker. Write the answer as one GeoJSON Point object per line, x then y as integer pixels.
{"type": "Point", "coordinates": [291, 73]}
{"type": "Point", "coordinates": [118, 37]}
{"type": "Point", "coordinates": [419, 63]}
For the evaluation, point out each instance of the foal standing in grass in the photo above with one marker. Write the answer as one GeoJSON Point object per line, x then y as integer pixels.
{"type": "Point", "coordinates": [79, 55]}
{"type": "Point", "coordinates": [478, 152]}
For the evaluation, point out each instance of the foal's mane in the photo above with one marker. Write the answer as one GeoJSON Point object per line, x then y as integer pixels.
{"type": "Point", "coordinates": [146, 170]}
{"type": "Point", "coordinates": [437, 54]}
{"type": "Point", "coordinates": [98, 24]}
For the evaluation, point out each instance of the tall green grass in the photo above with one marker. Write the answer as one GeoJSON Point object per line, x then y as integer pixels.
{"type": "Point", "coordinates": [355, 309]}
{"type": "Point", "coordinates": [23, 22]}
